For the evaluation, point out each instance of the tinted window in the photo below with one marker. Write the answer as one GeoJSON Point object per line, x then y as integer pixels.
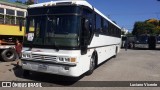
{"type": "Point", "coordinates": [98, 23]}
{"type": "Point", "coordinates": [1, 10]}
{"type": "Point", "coordinates": [102, 22]}
{"type": "Point", "coordinates": [20, 19]}
{"type": "Point", "coordinates": [105, 26]}
{"type": "Point", "coordinates": [114, 30]}
{"type": "Point", "coordinates": [110, 29]}
{"type": "Point", "coordinates": [88, 14]}
{"type": "Point", "coordinates": [53, 31]}
{"type": "Point", "coordinates": [10, 19]}
{"type": "Point", "coordinates": [1, 19]}
{"type": "Point", "coordinates": [20, 13]}
{"type": "Point", "coordinates": [9, 12]}
{"type": "Point", "coordinates": [118, 32]}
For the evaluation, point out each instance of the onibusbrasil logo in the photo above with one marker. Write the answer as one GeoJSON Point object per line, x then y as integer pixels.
{"type": "Point", "coordinates": [21, 84]}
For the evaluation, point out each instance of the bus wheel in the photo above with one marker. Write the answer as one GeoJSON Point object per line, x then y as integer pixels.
{"type": "Point", "coordinates": [26, 73]}
{"type": "Point", "coordinates": [8, 55]}
{"type": "Point", "coordinates": [92, 65]}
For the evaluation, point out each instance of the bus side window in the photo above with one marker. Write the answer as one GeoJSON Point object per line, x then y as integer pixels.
{"type": "Point", "coordinates": [98, 24]}
{"type": "Point", "coordinates": [105, 26]}
{"type": "Point", "coordinates": [20, 24]}
{"type": "Point", "coordinates": [88, 15]}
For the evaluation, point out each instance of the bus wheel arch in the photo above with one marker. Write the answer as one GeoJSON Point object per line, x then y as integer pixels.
{"type": "Point", "coordinates": [116, 51]}
{"type": "Point", "coordinates": [93, 63]}
{"type": "Point", "coordinates": [96, 57]}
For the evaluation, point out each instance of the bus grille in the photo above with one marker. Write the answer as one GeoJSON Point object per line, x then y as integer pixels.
{"type": "Point", "coordinates": [44, 57]}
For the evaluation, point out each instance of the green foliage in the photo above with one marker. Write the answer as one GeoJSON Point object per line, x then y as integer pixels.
{"type": "Point", "coordinates": [18, 1]}
{"type": "Point", "coordinates": [157, 30]}
{"type": "Point", "coordinates": [122, 32]}
{"type": "Point", "coordinates": [29, 2]}
{"type": "Point", "coordinates": [151, 26]}
{"type": "Point", "coordinates": [153, 21]}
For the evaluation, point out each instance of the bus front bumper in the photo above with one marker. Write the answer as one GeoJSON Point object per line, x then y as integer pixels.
{"type": "Point", "coordinates": [52, 68]}
{"type": "Point", "coordinates": [141, 46]}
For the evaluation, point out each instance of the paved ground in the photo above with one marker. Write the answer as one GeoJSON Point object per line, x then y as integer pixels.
{"type": "Point", "coordinates": [131, 65]}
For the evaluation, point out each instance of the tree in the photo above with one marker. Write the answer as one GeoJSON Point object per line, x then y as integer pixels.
{"type": "Point", "coordinates": [157, 30]}
{"type": "Point", "coordinates": [137, 28]}
{"type": "Point", "coordinates": [153, 21]}
{"type": "Point", "coordinates": [143, 28]}
{"type": "Point", "coordinates": [18, 1]}
{"type": "Point", "coordinates": [29, 2]}
{"type": "Point", "coordinates": [123, 32]}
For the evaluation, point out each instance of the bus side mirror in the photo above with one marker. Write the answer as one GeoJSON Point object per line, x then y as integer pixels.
{"type": "Point", "coordinates": [20, 25]}
{"type": "Point", "coordinates": [83, 50]}
{"type": "Point", "coordinates": [85, 36]}
{"type": "Point", "coordinates": [86, 26]}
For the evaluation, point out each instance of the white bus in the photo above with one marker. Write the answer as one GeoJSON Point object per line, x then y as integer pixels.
{"type": "Point", "coordinates": [68, 38]}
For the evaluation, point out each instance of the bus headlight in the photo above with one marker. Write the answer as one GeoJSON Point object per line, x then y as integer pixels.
{"type": "Point", "coordinates": [67, 59]}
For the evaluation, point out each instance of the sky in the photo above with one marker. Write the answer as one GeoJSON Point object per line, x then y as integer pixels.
{"type": "Point", "coordinates": [126, 12]}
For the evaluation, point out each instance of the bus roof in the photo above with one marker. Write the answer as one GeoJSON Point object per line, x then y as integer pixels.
{"type": "Point", "coordinates": [70, 2]}
{"type": "Point", "coordinates": [19, 5]}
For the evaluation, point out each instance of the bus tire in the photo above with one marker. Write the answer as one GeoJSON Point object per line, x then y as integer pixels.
{"type": "Point", "coordinates": [8, 55]}
{"type": "Point", "coordinates": [92, 65]}
{"type": "Point", "coordinates": [26, 73]}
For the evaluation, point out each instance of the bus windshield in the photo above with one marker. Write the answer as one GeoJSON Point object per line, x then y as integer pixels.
{"type": "Point", "coordinates": [52, 31]}
{"type": "Point", "coordinates": [142, 39]}
{"type": "Point", "coordinates": [158, 39]}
